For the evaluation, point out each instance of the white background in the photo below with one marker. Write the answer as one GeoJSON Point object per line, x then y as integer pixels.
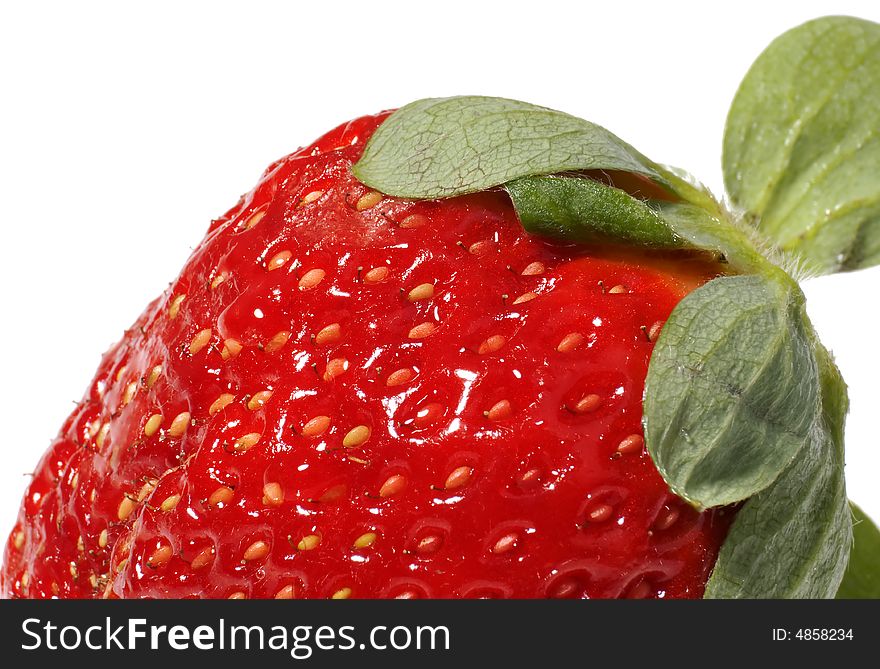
{"type": "Point", "coordinates": [126, 127]}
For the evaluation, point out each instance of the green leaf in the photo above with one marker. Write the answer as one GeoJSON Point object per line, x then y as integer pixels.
{"type": "Point", "coordinates": [802, 143]}
{"type": "Point", "coordinates": [732, 389]}
{"type": "Point", "coordinates": [441, 147]}
{"type": "Point", "coordinates": [793, 539]}
{"type": "Point", "coordinates": [582, 210]}
{"type": "Point", "coordinates": [586, 211]}
{"type": "Point", "coordinates": [862, 577]}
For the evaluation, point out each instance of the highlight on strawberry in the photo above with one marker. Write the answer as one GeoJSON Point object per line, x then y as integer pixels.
{"type": "Point", "coordinates": [479, 348]}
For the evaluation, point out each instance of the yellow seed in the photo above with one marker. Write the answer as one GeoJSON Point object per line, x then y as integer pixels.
{"type": "Point", "coordinates": [221, 495]}
{"type": "Point", "coordinates": [160, 556]}
{"type": "Point", "coordinates": [152, 425]}
{"type": "Point", "coordinates": [169, 503]}
{"type": "Point", "coordinates": [316, 426]}
{"type": "Point", "coordinates": [200, 340]}
{"type": "Point", "coordinates": [533, 269]}
{"type": "Point", "coordinates": [126, 506]}
{"type": "Point", "coordinates": [356, 436]}
{"type": "Point", "coordinates": [413, 221]}
{"type": "Point", "coordinates": [121, 372]}
{"type": "Point", "coordinates": [570, 342]}
{"type": "Point", "coordinates": [500, 411]}
{"type": "Point", "coordinates": [287, 592]}
{"type": "Point", "coordinates": [617, 290]}
{"type": "Point", "coordinates": [666, 519]}
{"type": "Point", "coordinates": [654, 331]}
{"type": "Point", "coordinates": [256, 551]}
{"type": "Point", "coordinates": [308, 542]}
{"type": "Point", "coordinates": [424, 291]}
{"type": "Point", "coordinates": [335, 367]}
{"type": "Point", "coordinates": [398, 378]}
{"type": "Point", "coordinates": [273, 495]}
{"type": "Point", "coordinates": [237, 595]}
{"type": "Point", "coordinates": [631, 444]}
{"type": "Point", "coordinates": [103, 538]}
{"type": "Point", "coordinates": [311, 279]}
{"type": "Point", "coordinates": [480, 247]}
{"type": "Point", "coordinates": [179, 425]}
{"type": "Point", "coordinates": [588, 403]}
{"type": "Point", "coordinates": [460, 476]}
{"type": "Point", "coordinates": [18, 540]}
{"type": "Point", "coordinates": [231, 348]}
{"type": "Point", "coordinates": [492, 344]}
{"type": "Point", "coordinates": [221, 403]}
{"type": "Point", "coordinates": [102, 435]}
{"type": "Point", "coordinates": [255, 218]}
{"type": "Point", "coordinates": [174, 308]}
{"type": "Point", "coordinates": [525, 297]}
{"type": "Point", "coordinates": [259, 399]}
{"type": "Point", "coordinates": [220, 278]}
{"type": "Point", "coordinates": [146, 489]}
{"type": "Point", "coordinates": [130, 392]}
{"type": "Point", "coordinates": [342, 593]}
{"type": "Point", "coordinates": [329, 334]}
{"type": "Point", "coordinates": [333, 493]}
{"type": "Point", "coordinates": [422, 330]}
{"type": "Point", "coordinates": [246, 442]}
{"type": "Point", "coordinates": [308, 198]}
{"type": "Point", "coordinates": [392, 486]}
{"type": "Point", "coordinates": [368, 200]}
{"type": "Point", "coordinates": [277, 341]}
{"type": "Point", "coordinates": [279, 260]}
{"type": "Point", "coordinates": [155, 373]}
{"type": "Point", "coordinates": [600, 513]}
{"type": "Point", "coordinates": [203, 558]}
{"type": "Point", "coordinates": [365, 540]}
{"type": "Point", "coordinates": [376, 275]}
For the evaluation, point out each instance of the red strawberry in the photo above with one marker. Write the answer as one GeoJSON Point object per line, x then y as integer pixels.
{"type": "Point", "coordinates": [345, 395]}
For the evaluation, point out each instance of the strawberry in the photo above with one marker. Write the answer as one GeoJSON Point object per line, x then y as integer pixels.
{"type": "Point", "coordinates": [351, 395]}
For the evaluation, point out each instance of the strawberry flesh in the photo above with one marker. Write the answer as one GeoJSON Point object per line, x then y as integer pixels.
{"type": "Point", "coordinates": [345, 395]}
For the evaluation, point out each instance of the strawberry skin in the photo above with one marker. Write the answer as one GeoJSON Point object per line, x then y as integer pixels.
{"type": "Point", "coordinates": [345, 395]}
